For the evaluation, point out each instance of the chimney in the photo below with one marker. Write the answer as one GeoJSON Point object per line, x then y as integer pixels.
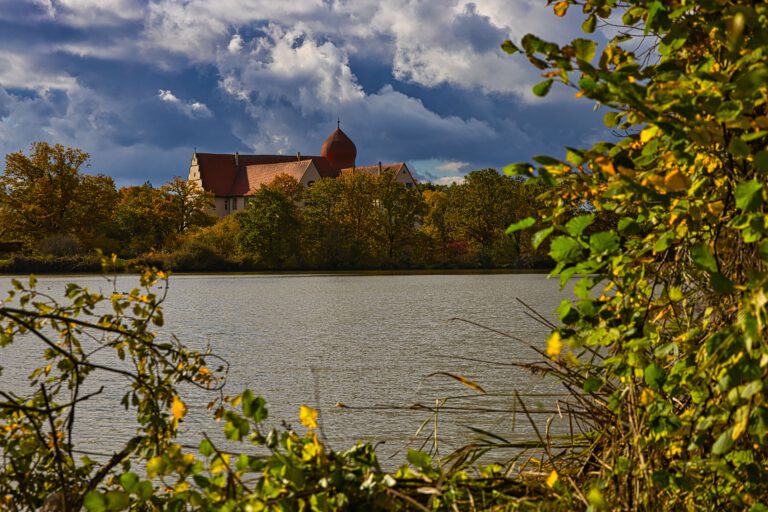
{"type": "Point", "coordinates": [298, 156]}
{"type": "Point", "coordinates": [379, 168]}
{"type": "Point", "coordinates": [237, 159]}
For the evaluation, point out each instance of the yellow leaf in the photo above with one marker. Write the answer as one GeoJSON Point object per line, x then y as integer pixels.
{"type": "Point", "coordinates": [605, 164]}
{"type": "Point", "coordinates": [178, 408]}
{"type": "Point", "coordinates": [469, 383]}
{"type": "Point", "coordinates": [676, 181]}
{"type": "Point", "coordinates": [646, 396]}
{"type": "Point", "coordinates": [561, 8]}
{"type": "Point", "coordinates": [308, 416]}
{"type": "Point", "coordinates": [552, 479]}
{"type": "Point", "coordinates": [554, 345]}
{"type": "Point", "coordinates": [648, 133]}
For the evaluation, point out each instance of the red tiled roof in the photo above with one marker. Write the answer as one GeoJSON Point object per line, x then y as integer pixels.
{"type": "Point", "coordinates": [254, 176]}
{"type": "Point", "coordinates": [376, 170]}
{"type": "Point", "coordinates": [223, 177]}
{"type": "Point", "coordinates": [339, 150]}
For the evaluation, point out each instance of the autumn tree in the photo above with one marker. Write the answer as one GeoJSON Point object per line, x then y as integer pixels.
{"type": "Point", "coordinates": [141, 223]}
{"type": "Point", "coordinates": [186, 205]}
{"type": "Point", "coordinates": [45, 193]}
{"type": "Point", "coordinates": [269, 228]}
{"type": "Point", "coordinates": [400, 210]}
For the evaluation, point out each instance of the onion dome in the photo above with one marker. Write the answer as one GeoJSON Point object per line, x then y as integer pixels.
{"type": "Point", "coordinates": [339, 150]}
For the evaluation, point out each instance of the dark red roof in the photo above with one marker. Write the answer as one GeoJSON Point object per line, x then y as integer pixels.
{"type": "Point", "coordinates": [339, 150]}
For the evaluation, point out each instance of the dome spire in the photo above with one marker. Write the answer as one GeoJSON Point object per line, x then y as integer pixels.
{"type": "Point", "coordinates": [339, 149]}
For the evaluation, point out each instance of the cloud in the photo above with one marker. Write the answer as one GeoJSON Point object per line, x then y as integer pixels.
{"type": "Point", "coordinates": [192, 109]}
{"type": "Point", "coordinates": [452, 166]}
{"type": "Point", "coordinates": [449, 180]}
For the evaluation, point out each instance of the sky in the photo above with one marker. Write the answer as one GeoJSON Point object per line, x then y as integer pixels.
{"type": "Point", "coordinates": [139, 84]}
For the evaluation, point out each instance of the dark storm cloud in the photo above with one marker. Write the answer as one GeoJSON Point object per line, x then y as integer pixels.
{"type": "Point", "coordinates": [140, 85]}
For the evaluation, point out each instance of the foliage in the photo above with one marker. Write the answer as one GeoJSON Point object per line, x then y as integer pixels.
{"type": "Point", "coordinates": [45, 194]}
{"type": "Point", "coordinates": [667, 333]}
{"type": "Point", "coordinates": [89, 335]}
{"type": "Point", "coordinates": [186, 205]}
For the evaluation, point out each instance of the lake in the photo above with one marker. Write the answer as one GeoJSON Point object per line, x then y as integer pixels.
{"type": "Point", "coordinates": [369, 342]}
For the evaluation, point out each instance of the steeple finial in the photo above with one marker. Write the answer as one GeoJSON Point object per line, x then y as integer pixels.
{"type": "Point", "coordinates": [338, 123]}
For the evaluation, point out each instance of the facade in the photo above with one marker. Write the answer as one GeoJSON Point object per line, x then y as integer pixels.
{"type": "Point", "coordinates": [232, 178]}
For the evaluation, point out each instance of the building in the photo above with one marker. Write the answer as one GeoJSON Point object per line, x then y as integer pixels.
{"type": "Point", "coordinates": [233, 178]}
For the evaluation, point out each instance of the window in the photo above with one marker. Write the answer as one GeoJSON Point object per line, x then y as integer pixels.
{"type": "Point", "coordinates": [226, 205]}
{"type": "Point", "coordinates": [234, 203]}
{"type": "Point", "coordinates": [245, 203]}
{"type": "Point", "coordinates": [310, 183]}
{"type": "Point", "coordinates": [409, 185]}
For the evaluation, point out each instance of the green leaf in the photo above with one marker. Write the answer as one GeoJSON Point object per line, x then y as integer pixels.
{"type": "Point", "coordinates": [419, 459]}
{"type": "Point", "coordinates": [574, 156]}
{"type": "Point", "coordinates": [95, 502]}
{"type": "Point", "coordinates": [584, 49]}
{"type": "Point", "coordinates": [604, 242]}
{"type": "Point", "coordinates": [611, 119]}
{"type": "Point", "coordinates": [592, 384]}
{"type": "Point", "coordinates": [145, 490]}
{"type": "Point", "coordinates": [728, 111]}
{"type": "Point", "coordinates": [654, 376]}
{"type": "Point", "coordinates": [675, 294]}
{"type": "Point", "coordinates": [738, 147]}
{"type": "Point", "coordinates": [519, 169]}
{"type": "Point", "coordinates": [541, 89]}
{"type": "Point", "coordinates": [522, 224]}
{"type": "Point", "coordinates": [546, 160]}
{"type": "Point", "coordinates": [541, 235]}
{"type": "Point", "coordinates": [206, 448]}
{"type": "Point", "coordinates": [761, 161]}
{"type": "Point", "coordinates": [724, 443]}
{"type": "Point", "coordinates": [628, 226]}
{"type": "Point", "coordinates": [589, 24]}
{"type": "Point", "coordinates": [720, 284]}
{"type": "Point", "coordinates": [117, 500]}
{"type": "Point", "coordinates": [749, 195]}
{"type": "Point", "coordinates": [129, 481]}
{"type": "Point", "coordinates": [565, 249]}
{"type": "Point", "coordinates": [702, 257]}
{"type": "Point", "coordinates": [509, 47]}
{"type": "Point", "coordinates": [576, 226]}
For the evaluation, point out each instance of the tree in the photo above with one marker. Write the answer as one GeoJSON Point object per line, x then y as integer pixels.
{"type": "Point", "coordinates": [325, 241]}
{"type": "Point", "coordinates": [399, 212]}
{"type": "Point", "coordinates": [141, 221]}
{"type": "Point", "coordinates": [186, 205]}
{"type": "Point", "coordinates": [666, 337]}
{"type": "Point", "coordinates": [269, 228]}
{"type": "Point", "coordinates": [45, 194]}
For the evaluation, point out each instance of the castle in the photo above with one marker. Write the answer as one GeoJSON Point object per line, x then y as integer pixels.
{"type": "Point", "coordinates": [233, 178]}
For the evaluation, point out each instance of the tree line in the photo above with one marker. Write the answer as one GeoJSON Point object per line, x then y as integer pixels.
{"type": "Point", "coordinates": [59, 213]}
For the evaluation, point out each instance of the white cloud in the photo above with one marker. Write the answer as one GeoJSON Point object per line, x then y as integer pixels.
{"type": "Point", "coordinates": [449, 180]}
{"type": "Point", "coordinates": [24, 72]}
{"type": "Point", "coordinates": [452, 166]}
{"type": "Point", "coordinates": [192, 109]}
{"type": "Point", "coordinates": [235, 44]}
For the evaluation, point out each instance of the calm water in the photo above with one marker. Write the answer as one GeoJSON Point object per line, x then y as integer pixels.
{"type": "Point", "coordinates": [366, 341]}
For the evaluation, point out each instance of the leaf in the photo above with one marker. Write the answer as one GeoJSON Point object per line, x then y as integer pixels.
{"type": "Point", "coordinates": [561, 8]}
{"type": "Point", "coordinates": [749, 195]}
{"type": "Point", "coordinates": [604, 242]}
{"type": "Point", "coordinates": [574, 156]}
{"type": "Point", "coordinates": [592, 384]}
{"type": "Point", "coordinates": [584, 49]}
{"type": "Point", "coordinates": [723, 443]}
{"type": "Point", "coordinates": [552, 479]}
{"type": "Point", "coordinates": [95, 502]}
{"type": "Point", "coordinates": [129, 481]}
{"type": "Point", "coordinates": [589, 24]}
{"type": "Point", "coordinates": [206, 448]}
{"type": "Point", "coordinates": [728, 111]}
{"type": "Point", "coordinates": [117, 500]}
{"type": "Point", "coordinates": [540, 236]}
{"type": "Point", "coordinates": [738, 147]}
{"type": "Point", "coordinates": [308, 416]}
{"type": "Point", "coordinates": [509, 47]}
{"type": "Point", "coordinates": [565, 249]}
{"type": "Point", "coordinates": [576, 226]}
{"type": "Point", "coordinates": [676, 181]}
{"type": "Point", "coordinates": [720, 284]}
{"type": "Point", "coordinates": [419, 459]}
{"type": "Point", "coordinates": [654, 376]}
{"type": "Point", "coordinates": [554, 345]}
{"type": "Point", "coordinates": [463, 380]}
{"type": "Point", "coordinates": [761, 161]}
{"type": "Point", "coordinates": [178, 408]}
{"type": "Point", "coordinates": [522, 224]}
{"type": "Point", "coordinates": [702, 257]}
{"type": "Point", "coordinates": [542, 88]}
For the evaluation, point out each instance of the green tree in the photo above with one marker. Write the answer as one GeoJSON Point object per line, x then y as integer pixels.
{"type": "Point", "coordinates": [269, 228]}
{"type": "Point", "coordinates": [325, 239]}
{"type": "Point", "coordinates": [666, 336]}
{"type": "Point", "coordinates": [46, 194]}
{"type": "Point", "coordinates": [400, 210]}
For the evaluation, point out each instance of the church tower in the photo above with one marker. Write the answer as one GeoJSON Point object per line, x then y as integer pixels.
{"type": "Point", "coordinates": [339, 149]}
